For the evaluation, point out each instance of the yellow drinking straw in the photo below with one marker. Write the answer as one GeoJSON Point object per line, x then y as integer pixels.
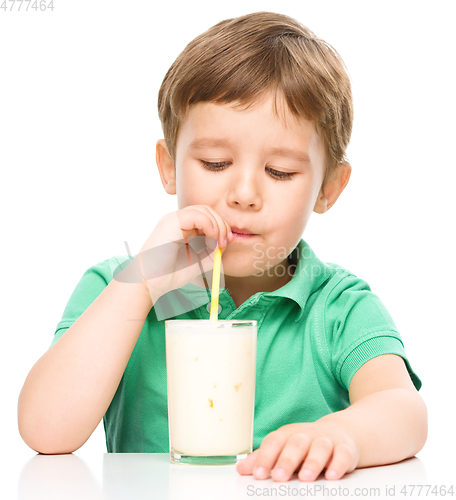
{"type": "Point", "coordinates": [215, 284]}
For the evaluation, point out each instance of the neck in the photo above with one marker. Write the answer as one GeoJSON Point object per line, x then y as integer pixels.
{"type": "Point", "coordinates": [243, 288]}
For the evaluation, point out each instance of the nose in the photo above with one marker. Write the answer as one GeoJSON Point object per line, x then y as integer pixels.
{"type": "Point", "coordinates": [245, 191]}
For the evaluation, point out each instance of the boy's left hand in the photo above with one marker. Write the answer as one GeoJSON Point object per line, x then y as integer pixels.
{"type": "Point", "coordinates": [306, 447]}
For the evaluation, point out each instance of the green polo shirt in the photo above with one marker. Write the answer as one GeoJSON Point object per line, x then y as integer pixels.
{"type": "Point", "coordinates": [314, 333]}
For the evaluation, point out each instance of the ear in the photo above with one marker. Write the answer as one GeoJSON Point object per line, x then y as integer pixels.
{"type": "Point", "coordinates": [165, 167]}
{"type": "Point", "coordinates": [333, 188]}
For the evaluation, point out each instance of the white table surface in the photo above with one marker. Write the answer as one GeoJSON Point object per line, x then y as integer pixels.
{"type": "Point", "coordinates": [152, 476]}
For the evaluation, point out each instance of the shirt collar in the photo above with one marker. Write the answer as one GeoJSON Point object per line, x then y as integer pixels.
{"type": "Point", "coordinates": [310, 273]}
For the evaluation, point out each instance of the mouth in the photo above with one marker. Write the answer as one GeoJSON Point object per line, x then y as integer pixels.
{"type": "Point", "coordinates": [240, 233]}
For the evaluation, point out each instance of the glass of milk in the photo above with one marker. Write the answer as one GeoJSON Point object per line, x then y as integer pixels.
{"type": "Point", "coordinates": [211, 390]}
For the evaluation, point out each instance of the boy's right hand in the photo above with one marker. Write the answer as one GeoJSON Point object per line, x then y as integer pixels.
{"type": "Point", "coordinates": [166, 262]}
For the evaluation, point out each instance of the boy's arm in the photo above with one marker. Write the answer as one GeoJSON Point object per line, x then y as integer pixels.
{"type": "Point", "coordinates": [387, 415]}
{"type": "Point", "coordinates": [70, 387]}
{"type": "Point", "coordinates": [386, 423]}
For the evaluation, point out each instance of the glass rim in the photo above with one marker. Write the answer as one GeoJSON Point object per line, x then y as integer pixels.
{"type": "Point", "coordinates": [208, 322]}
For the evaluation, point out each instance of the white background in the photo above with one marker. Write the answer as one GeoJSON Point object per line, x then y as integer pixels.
{"type": "Point", "coordinates": [78, 126]}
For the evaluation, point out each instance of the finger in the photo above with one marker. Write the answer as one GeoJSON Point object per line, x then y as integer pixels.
{"type": "Point", "coordinates": [229, 233]}
{"type": "Point", "coordinates": [216, 232]}
{"type": "Point", "coordinates": [268, 453]}
{"type": "Point", "coordinates": [319, 453]}
{"type": "Point", "coordinates": [343, 460]}
{"type": "Point", "coordinates": [291, 457]}
{"type": "Point", "coordinates": [223, 227]}
{"type": "Point", "coordinates": [193, 218]}
{"type": "Point", "coordinates": [245, 467]}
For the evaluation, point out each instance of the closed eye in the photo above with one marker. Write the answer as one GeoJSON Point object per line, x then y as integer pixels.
{"type": "Point", "coordinates": [215, 166]}
{"type": "Point", "coordinates": [275, 174]}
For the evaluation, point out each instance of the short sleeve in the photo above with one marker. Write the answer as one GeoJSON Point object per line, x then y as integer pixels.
{"type": "Point", "coordinates": [359, 328]}
{"type": "Point", "coordinates": [90, 286]}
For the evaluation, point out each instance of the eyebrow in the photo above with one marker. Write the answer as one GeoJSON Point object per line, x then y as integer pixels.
{"type": "Point", "coordinates": [199, 144]}
{"type": "Point", "coordinates": [290, 153]}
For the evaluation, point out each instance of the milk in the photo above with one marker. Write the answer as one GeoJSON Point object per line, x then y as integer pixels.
{"type": "Point", "coordinates": [211, 386]}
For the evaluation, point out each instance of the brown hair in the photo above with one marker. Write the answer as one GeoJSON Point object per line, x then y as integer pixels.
{"type": "Point", "coordinates": [240, 60]}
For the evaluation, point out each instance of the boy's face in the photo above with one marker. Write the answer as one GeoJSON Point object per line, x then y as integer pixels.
{"type": "Point", "coordinates": [265, 177]}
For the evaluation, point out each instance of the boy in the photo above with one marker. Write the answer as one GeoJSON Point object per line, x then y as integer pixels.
{"type": "Point", "coordinates": [257, 115]}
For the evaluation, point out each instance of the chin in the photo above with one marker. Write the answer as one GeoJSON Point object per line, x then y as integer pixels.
{"type": "Point", "coordinates": [236, 269]}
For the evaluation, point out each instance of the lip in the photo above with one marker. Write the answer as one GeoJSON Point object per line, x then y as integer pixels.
{"type": "Point", "coordinates": [241, 233]}
{"type": "Point", "coordinates": [241, 230]}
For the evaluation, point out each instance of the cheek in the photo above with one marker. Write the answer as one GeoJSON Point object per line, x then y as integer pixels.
{"type": "Point", "coordinates": [293, 213]}
{"type": "Point", "coordinates": [290, 227]}
{"type": "Point", "coordinates": [188, 188]}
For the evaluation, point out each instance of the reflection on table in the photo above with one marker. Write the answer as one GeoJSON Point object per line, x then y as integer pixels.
{"type": "Point", "coordinates": [151, 476]}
